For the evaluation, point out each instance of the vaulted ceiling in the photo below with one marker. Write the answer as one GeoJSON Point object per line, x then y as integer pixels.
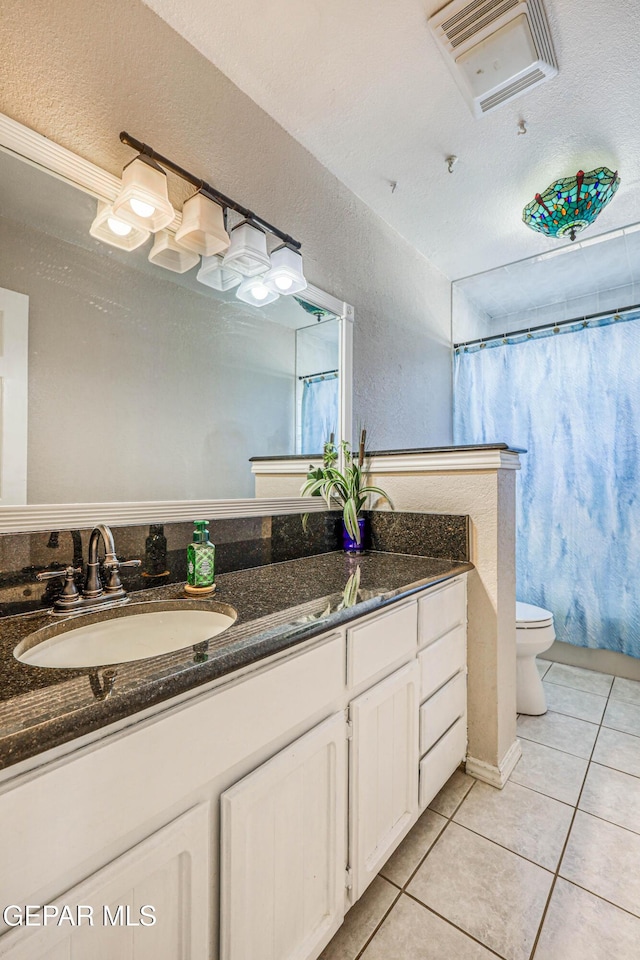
{"type": "Point", "coordinates": [364, 88]}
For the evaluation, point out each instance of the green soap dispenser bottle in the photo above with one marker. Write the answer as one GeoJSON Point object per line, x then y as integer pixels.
{"type": "Point", "coordinates": [201, 555]}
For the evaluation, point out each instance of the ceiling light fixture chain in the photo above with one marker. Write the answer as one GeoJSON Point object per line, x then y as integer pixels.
{"type": "Point", "coordinates": [207, 190]}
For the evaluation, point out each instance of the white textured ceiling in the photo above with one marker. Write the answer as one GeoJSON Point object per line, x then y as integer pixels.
{"type": "Point", "coordinates": [363, 86]}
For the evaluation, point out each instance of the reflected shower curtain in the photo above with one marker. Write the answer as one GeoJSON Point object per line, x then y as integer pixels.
{"type": "Point", "coordinates": [319, 413]}
{"type": "Point", "coordinates": [573, 401]}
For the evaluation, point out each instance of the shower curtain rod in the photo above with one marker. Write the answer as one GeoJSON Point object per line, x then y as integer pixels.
{"type": "Point", "coordinates": [323, 373]}
{"type": "Point", "coordinates": [548, 326]}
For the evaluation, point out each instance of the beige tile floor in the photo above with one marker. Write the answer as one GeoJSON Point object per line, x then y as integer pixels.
{"type": "Point", "coordinates": [546, 869]}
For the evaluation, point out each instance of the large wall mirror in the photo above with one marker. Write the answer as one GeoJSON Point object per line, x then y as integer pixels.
{"type": "Point", "coordinates": [143, 384]}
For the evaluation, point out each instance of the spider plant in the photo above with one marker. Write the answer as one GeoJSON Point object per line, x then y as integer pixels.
{"type": "Point", "coordinates": [347, 486]}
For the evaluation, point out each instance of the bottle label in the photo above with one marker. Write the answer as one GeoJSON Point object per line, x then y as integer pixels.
{"type": "Point", "coordinates": [200, 565]}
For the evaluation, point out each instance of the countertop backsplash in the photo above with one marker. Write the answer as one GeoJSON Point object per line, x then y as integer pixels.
{"type": "Point", "coordinates": [241, 543]}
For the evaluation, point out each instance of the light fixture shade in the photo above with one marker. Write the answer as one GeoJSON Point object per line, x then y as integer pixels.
{"type": "Point", "coordinates": [116, 232]}
{"type": "Point", "coordinates": [166, 253]}
{"type": "Point", "coordinates": [248, 251]}
{"type": "Point", "coordinates": [202, 228]}
{"type": "Point", "coordinates": [568, 206]}
{"type": "Point", "coordinates": [143, 200]}
{"type": "Point", "coordinates": [285, 276]}
{"type": "Point", "coordinates": [214, 274]}
{"type": "Point", "coordinates": [253, 290]}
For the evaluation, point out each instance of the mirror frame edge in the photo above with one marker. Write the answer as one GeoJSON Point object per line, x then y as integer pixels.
{"type": "Point", "coordinates": [39, 150]}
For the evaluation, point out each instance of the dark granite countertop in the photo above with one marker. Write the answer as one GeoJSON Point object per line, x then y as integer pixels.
{"type": "Point", "coordinates": [389, 453]}
{"type": "Point", "coordinates": [279, 605]}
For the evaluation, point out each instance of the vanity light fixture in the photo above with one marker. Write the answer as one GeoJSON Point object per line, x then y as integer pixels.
{"type": "Point", "coordinates": [214, 274]}
{"type": "Point", "coordinates": [116, 232]}
{"type": "Point", "coordinates": [202, 229]}
{"type": "Point", "coordinates": [568, 206]}
{"type": "Point", "coordinates": [248, 250]}
{"type": "Point", "coordinates": [143, 203]}
{"type": "Point", "coordinates": [143, 200]}
{"type": "Point", "coordinates": [285, 276]}
{"type": "Point", "coordinates": [166, 253]}
{"type": "Point", "coordinates": [254, 290]}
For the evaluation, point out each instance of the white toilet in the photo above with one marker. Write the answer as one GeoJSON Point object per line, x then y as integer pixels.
{"type": "Point", "coordinates": [534, 635]}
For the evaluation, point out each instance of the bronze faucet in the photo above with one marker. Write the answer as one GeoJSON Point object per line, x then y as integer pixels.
{"type": "Point", "coordinates": [95, 595]}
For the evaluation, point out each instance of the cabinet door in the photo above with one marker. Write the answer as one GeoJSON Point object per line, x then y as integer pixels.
{"type": "Point", "coordinates": [284, 851]}
{"type": "Point", "coordinates": [169, 871]}
{"type": "Point", "coordinates": [383, 772]}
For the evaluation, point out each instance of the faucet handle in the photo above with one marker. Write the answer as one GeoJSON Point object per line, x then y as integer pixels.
{"type": "Point", "coordinates": [68, 572]}
{"type": "Point", "coordinates": [112, 568]}
{"type": "Point", "coordinates": [70, 596]}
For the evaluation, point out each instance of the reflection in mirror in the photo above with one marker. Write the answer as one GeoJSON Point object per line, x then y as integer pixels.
{"type": "Point", "coordinates": [144, 384]}
{"type": "Point", "coordinates": [317, 396]}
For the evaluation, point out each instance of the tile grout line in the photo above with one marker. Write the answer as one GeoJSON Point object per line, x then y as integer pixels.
{"type": "Point", "coordinates": [496, 843]}
{"type": "Point", "coordinates": [381, 920]}
{"type": "Point", "coordinates": [589, 760]}
{"type": "Point", "coordinates": [558, 683]}
{"type": "Point", "coordinates": [446, 920]}
{"type": "Point", "coordinates": [556, 874]}
{"type": "Point", "coordinates": [402, 890]}
{"type": "Point", "coordinates": [566, 842]}
{"type": "Point", "coordinates": [599, 897]}
{"type": "Point", "coordinates": [451, 924]}
{"type": "Point", "coordinates": [432, 845]}
{"type": "Point", "coordinates": [606, 726]}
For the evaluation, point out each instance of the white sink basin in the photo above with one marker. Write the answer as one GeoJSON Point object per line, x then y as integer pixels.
{"type": "Point", "coordinates": [133, 632]}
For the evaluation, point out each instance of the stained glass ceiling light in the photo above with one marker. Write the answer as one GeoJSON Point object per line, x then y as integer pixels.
{"type": "Point", "coordinates": [568, 206]}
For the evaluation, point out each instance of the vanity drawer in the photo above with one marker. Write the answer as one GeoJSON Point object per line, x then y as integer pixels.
{"type": "Point", "coordinates": [441, 611]}
{"type": "Point", "coordinates": [441, 660]}
{"type": "Point", "coordinates": [442, 710]}
{"type": "Point", "coordinates": [441, 761]}
{"type": "Point", "coordinates": [381, 642]}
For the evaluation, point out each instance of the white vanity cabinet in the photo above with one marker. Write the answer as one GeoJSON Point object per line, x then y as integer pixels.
{"type": "Point", "coordinates": [169, 871]}
{"type": "Point", "coordinates": [442, 637]}
{"type": "Point", "coordinates": [253, 813]}
{"type": "Point", "coordinates": [383, 772]}
{"type": "Point", "coordinates": [283, 856]}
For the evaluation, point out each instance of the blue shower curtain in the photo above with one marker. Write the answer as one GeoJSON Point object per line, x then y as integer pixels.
{"type": "Point", "coordinates": [319, 413]}
{"type": "Point", "coordinates": [573, 401]}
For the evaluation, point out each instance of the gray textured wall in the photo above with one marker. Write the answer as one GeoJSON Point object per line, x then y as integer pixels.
{"type": "Point", "coordinates": [79, 73]}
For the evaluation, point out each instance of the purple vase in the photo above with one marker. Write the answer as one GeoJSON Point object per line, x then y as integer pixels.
{"type": "Point", "coordinates": [348, 543]}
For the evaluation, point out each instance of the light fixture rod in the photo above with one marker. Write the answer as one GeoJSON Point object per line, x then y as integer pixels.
{"type": "Point", "coordinates": [207, 189]}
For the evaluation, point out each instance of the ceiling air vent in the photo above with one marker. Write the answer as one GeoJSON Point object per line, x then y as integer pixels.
{"type": "Point", "coordinates": [495, 49]}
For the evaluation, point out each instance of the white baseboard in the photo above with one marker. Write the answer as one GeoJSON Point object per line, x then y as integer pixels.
{"type": "Point", "coordinates": [498, 775]}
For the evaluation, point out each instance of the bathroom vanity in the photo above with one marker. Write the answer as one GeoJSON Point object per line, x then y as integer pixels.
{"type": "Point", "coordinates": [248, 798]}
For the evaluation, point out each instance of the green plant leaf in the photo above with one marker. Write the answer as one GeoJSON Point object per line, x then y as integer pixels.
{"type": "Point", "coordinates": [350, 517]}
{"type": "Point", "coordinates": [312, 488]}
{"type": "Point", "coordinates": [347, 486]}
{"type": "Point", "coordinates": [373, 489]}
{"type": "Point", "coordinates": [350, 592]}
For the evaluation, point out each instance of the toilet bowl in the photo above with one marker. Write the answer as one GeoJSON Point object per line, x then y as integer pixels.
{"type": "Point", "coordinates": [534, 635]}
